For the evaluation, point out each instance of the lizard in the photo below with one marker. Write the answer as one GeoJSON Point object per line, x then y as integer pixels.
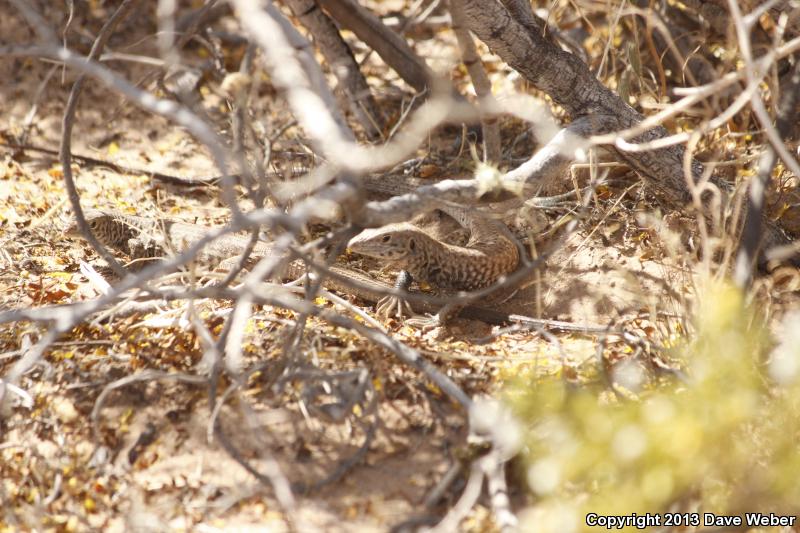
{"type": "Point", "coordinates": [135, 235]}
{"type": "Point", "coordinates": [489, 255]}
{"type": "Point", "coordinates": [143, 238]}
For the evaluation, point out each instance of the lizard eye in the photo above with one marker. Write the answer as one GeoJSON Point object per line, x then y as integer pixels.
{"type": "Point", "coordinates": [386, 238]}
{"type": "Point", "coordinates": [412, 245]}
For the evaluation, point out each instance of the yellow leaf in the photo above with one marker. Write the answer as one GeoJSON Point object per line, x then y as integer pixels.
{"type": "Point", "coordinates": [56, 172]}
{"type": "Point", "coordinates": [433, 388]}
{"type": "Point", "coordinates": [747, 172]}
{"type": "Point", "coordinates": [126, 416]}
{"type": "Point", "coordinates": [782, 211]}
{"type": "Point", "coordinates": [113, 148]}
{"type": "Point", "coordinates": [89, 504]}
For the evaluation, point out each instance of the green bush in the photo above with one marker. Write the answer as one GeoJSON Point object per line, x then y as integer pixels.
{"type": "Point", "coordinates": [723, 442]}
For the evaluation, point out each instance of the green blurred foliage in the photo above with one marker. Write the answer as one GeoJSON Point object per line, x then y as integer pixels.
{"type": "Point", "coordinates": [724, 442]}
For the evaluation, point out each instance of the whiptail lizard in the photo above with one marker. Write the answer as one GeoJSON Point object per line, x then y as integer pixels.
{"type": "Point", "coordinates": [149, 238]}
{"type": "Point", "coordinates": [490, 254]}
{"type": "Point", "coordinates": [141, 237]}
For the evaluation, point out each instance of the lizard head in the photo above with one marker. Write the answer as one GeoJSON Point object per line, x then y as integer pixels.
{"type": "Point", "coordinates": [102, 225]}
{"type": "Point", "coordinates": [396, 243]}
{"type": "Point", "coordinates": [94, 217]}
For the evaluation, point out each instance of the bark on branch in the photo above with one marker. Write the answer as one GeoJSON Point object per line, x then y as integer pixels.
{"type": "Point", "coordinates": [571, 84]}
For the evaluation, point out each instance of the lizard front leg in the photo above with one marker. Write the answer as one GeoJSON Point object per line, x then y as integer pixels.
{"type": "Point", "coordinates": [399, 307]}
{"type": "Point", "coordinates": [143, 251]}
{"type": "Point", "coordinates": [396, 305]}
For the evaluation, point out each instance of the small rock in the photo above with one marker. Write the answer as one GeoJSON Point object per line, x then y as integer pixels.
{"type": "Point", "coordinates": [65, 410]}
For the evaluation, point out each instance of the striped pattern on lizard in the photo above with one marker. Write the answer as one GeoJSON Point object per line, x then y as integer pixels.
{"type": "Point", "coordinates": [149, 238]}
{"type": "Point", "coordinates": [489, 255]}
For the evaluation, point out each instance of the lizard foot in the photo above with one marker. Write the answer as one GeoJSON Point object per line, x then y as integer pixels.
{"type": "Point", "coordinates": [389, 306]}
{"type": "Point", "coordinates": [426, 323]}
{"type": "Point", "coordinates": [429, 323]}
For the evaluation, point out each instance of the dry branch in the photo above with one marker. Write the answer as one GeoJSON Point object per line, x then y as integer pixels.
{"type": "Point", "coordinates": [390, 46]}
{"type": "Point", "coordinates": [342, 63]}
{"type": "Point", "coordinates": [483, 87]}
